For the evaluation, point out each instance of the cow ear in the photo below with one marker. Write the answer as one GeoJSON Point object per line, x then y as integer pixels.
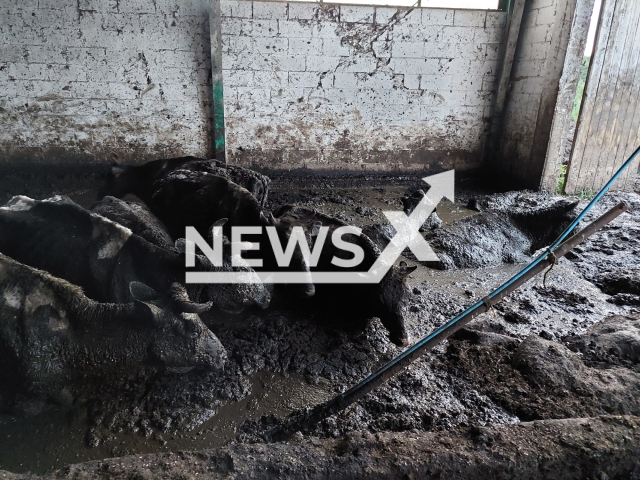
{"type": "Point", "coordinates": [148, 313]}
{"type": "Point", "coordinates": [142, 292]}
{"type": "Point", "coordinates": [409, 270]}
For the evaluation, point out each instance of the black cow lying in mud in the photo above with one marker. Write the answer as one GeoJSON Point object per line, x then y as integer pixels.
{"type": "Point", "coordinates": [53, 338]}
{"type": "Point", "coordinates": [509, 229]}
{"type": "Point", "coordinates": [193, 192]}
{"type": "Point", "coordinates": [140, 180]}
{"type": "Point", "coordinates": [185, 198]}
{"type": "Point", "coordinates": [107, 257]}
{"type": "Point", "coordinates": [385, 300]}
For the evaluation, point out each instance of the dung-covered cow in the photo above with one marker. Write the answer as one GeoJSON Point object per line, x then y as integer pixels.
{"type": "Point", "coordinates": [103, 257]}
{"type": "Point", "coordinates": [186, 198]}
{"type": "Point", "coordinates": [140, 180]}
{"type": "Point", "coordinates": [137, 218]}
{"type": "Point", "coordinates": [53, 338]}
{"type": "Point", "coordinates": [387, 300]}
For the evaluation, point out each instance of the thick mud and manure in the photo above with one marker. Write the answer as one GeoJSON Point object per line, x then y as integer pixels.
{"type": "Point", "coordinates": [545, 385]}
{"type": "Point", "coordinates": [601, 447]}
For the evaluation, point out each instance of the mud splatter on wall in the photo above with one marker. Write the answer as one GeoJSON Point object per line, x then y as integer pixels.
{"type": "Point", "coordinates": [96, 81]}
{"type": "Point", "coordinates": [323, 87]}
{"type": "Point", "coordinates": [357, 87]}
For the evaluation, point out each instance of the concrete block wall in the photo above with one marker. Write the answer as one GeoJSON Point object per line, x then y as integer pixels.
{"type": "Point", "coordinates": [357, 87]}
{"type": "Point", "coordinates": [529, 79]}
{"type": "Point", "coordinates": [85, 81]}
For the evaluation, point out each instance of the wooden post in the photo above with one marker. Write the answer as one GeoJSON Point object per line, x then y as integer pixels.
{"type": "Point", "coordinates": [560, 140]}
{"type": "Point", "coordinates": [515, 8]}
{"type": "Point", "coordinates": [215, 25]}
{"type": "Point", "coordinates": [554, 64]}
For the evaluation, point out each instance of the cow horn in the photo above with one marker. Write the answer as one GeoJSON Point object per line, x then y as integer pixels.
{"type": "Point", "coordinates": [220, 222]}
{"type": "Point", "coordinates": [193, 307]}
{"type": "Point", "coordinates": [182, 304]}
{"type": "Point", "coordinates": [270, 220]}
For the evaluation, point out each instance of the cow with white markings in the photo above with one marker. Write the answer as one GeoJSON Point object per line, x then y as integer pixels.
{"type": "Point", "coordinates": [53, 338]}
{"type": "Point", "coordinates": [103, 257]}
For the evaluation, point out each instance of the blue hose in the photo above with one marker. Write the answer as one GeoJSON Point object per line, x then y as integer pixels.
{"type": "Point", "coordinates": [505, 285]}
{"type": "Point", "coordinates": [570, 228]}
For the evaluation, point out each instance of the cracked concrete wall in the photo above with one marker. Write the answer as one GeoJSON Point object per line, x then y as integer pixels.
{"type": "Point", "coordinates": [537, 68]}
{"type": "Point", "coordinates": [93, 81]}
{"type": "Point", "coordinates": [333, 87]}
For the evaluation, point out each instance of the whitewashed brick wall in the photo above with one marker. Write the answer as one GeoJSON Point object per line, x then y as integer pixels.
{"type": "Point", "coordinates": [326, 87]}
{"type": "Point", "coordinates": [357, 87]}
{"type": "Point", "coordinates": [86, 81]}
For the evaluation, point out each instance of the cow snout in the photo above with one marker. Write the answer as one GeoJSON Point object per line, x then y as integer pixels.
{"type": "Point", "coordinates": [213, 353]}
{"type": "Point", "coordinates": [403, 341]}
{"type": "Point", "coordinates": [263, 299]}
{"type": "Point", "coordinates": [398, 332]}
{"type": "Point", "coordinates": [310, 290]}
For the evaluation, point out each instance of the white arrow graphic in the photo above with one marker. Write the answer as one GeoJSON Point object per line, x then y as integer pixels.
{"type": "Point", "coordinates": [408, 227]}
{"type": "Point", "coordinates": [407, 236]}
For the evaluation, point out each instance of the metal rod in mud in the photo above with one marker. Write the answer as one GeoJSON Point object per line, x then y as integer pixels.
{"type": "Point", "coordinates": [342, 401]}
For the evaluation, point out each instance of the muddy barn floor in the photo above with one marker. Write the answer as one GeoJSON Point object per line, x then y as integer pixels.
{"type": "Point", "coordinates": [546, 386]}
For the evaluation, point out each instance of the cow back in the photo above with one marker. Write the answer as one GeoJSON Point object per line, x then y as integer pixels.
{"type": "Point", "coordinates": [63, 239]}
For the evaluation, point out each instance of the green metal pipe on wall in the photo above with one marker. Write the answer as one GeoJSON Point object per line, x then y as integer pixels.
{"type": "Point", "coordinates": [215, 25]}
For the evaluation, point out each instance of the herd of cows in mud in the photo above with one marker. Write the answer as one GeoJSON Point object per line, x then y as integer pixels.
{"type": "Point", "coordinates": [90, 295]}
{"type": "Point", "coordinates": [93, 293]}
{"type": "Point", "coordinates": [94, 306]}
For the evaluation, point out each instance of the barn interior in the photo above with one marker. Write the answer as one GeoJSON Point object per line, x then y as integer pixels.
{"type": "Point", "coordinates": [509, 125]}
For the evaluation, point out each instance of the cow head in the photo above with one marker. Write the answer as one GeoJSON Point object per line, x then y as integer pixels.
{"type": "Point", "coordinates": [180, 340]}
{"type": "Point", "coordinates": [231, 298]}
{"type": "Point", "coordinates": [283, 227]}
{"type": "Point", "coordinates": [120, 181]}
{"type": "Point", "coordinates": [394, 293]}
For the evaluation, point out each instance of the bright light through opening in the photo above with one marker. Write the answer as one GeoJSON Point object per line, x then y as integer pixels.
{"type": "Point", "coordinates": [471, 4]}
{"type": "Point", "coordinates": [478, 4]}
{"type": "Point", "coordinates": [593, 28]}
